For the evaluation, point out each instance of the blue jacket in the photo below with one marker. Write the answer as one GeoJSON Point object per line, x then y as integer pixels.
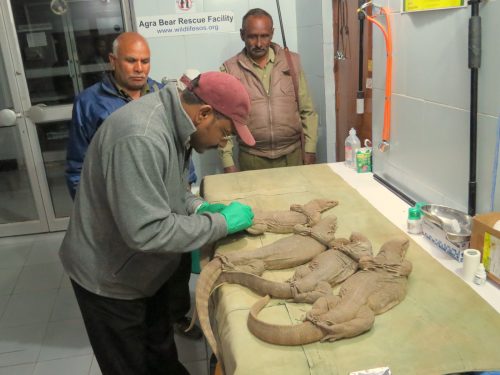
{"type": "Point", "coordinates": [90, 109]}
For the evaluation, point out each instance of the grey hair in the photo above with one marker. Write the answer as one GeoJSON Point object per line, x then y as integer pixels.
{"type": "Point", "coordinates": [256, 12]}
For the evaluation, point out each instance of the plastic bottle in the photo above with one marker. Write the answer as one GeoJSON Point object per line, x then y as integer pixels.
{"type": "Point", "coordinates": [352, 143]}
{"type": "Point", "coordinates": [480, 275]}
{"type": "Point", "coordinates": [414, 222]}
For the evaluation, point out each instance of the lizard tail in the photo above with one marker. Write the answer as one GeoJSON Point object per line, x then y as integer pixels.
{"type": "Point", "coordinates": [204, 286]}
{"type": "Point", "coordinates": [258, 284]}
{"type": "Point", "coordinates": [300, 334]}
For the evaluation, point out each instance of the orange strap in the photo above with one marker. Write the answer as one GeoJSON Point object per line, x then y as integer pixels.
{"type": "Point", "coordinates": [386, 133]}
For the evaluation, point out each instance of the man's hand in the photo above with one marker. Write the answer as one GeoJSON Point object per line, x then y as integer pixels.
{"type": "Point", "coordinates": [238, 217]}
{"type": "Point", "coordinates": [231, 169]}
{"type": "Point", "coordinates": [210, 207]}
{"type": "Point", "coordinates": [309, 158]}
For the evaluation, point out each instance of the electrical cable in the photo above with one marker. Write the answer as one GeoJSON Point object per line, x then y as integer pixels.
{"type": "Point", "coordinates": [386, 31]}
{"type": "Point", "coordinates": [343, 45]}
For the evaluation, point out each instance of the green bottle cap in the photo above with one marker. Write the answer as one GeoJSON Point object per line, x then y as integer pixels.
{"type": "Point", "coordinates": [419, 205]}
{"type": "Point", "coordinates": [413, 213]}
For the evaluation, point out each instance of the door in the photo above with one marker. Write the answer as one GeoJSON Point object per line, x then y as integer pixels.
{"type": "Point", "coordinates": [58, 49]}
{"type": "Point", "coordinates": [21, 207]}
{"type": "Point", "coordinates": [346, 36]}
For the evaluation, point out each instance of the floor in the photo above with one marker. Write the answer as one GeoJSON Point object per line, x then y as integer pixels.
{"type": "Point", "coordinates": [41, 329]}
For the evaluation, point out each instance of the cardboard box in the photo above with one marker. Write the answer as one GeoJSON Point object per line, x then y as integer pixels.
{"type": "Point", "coordinates": [487, 240]}
{"type": "Point", "coordinates": [438, 237]}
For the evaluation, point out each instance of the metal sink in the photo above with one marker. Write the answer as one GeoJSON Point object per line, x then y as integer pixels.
{"type": "Point", "coordinates": [456, 224]}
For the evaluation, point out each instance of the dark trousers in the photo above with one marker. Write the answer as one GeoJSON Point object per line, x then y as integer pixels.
{"type": "Point", "coordinates": [131, 337]}
{"type": "Point", "coordinates": [178, 289]}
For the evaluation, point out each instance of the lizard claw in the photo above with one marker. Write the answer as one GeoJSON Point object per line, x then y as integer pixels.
{"type": "Point", "coordinates": [312, 317]}
{"type": "Point", "coordinates": [329, 338]}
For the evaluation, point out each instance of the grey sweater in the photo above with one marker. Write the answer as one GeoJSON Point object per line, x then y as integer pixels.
{"type": "Point", "coordinates": [133, 213]}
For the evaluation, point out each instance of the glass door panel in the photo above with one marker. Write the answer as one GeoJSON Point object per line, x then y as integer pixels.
{"type": "Point", "coordinates": [21, 208]}
{"type": "Point", "coordinates": [64, 53]}
{"type": "Point", "coordinates": [53, 137]}
{"type": "Point", "coordinates": [63, 46]}
{"type": "Point", "coordinates": [44, 47]}
{"type": "Point", "coordinates": [94, 28]}
{"type": "Point", "coordinates": [16, 195]}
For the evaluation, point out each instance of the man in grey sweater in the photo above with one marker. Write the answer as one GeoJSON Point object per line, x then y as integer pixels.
{"type": "Point", "coordinates": [134, 216]}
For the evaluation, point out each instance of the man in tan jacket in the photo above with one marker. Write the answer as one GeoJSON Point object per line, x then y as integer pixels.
{"type": "Point", "coordinates": [278, 118]}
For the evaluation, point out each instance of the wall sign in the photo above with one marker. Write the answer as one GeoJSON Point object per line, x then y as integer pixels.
{"type": "Point", "coordinates": [419, 5]}
{"type": "Point", "coordinates": [186, 24]}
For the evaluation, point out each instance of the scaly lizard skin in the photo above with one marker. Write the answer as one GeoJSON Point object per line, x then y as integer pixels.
{"type": "Point", "coordinates": [284, 221]}
{"type": "Point", "coordinates": [313, 280]}
{"type": "Point", "coordinates": [287, 252]}
{"type": "Point", "coordinates": [380, 286]}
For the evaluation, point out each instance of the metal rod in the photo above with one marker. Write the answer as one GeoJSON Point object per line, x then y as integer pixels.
{"type": "Point", "coordinates": [281, 24]}
{"type": "Point", "coordinates": [474, 64]}
{"type": "Point", "coordinates": [395, 190]}
{"type": "Point", "coordinates": [361, 17]}
{"type": "Point", "coordinates": [360, 95]}
{"type": "Point", "coordinates": [473, 142]}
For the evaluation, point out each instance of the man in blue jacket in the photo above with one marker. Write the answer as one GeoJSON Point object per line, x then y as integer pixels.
{"type": "Point", "coordinates": [130, 61]}
{"type": "Point", "coordinates": [129, 80]}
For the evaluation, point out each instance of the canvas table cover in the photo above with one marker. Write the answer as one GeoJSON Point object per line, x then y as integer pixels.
{"type": "Point", "coordinates": [441, 327]}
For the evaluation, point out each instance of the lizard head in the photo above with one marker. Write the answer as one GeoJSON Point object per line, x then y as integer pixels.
{"type": "Point", "coordinates": [394, 250]}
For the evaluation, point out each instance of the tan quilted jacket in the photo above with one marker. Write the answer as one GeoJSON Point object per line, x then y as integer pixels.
{"type": "Point", "coordinates": [274, 118]}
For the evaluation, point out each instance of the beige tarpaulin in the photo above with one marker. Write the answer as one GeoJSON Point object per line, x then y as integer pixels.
{"type": "Point", "coordinates": [442, 326]}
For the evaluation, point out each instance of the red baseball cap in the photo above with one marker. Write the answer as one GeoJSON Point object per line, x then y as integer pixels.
{"type": "Point", "coordinates": [227, 95]}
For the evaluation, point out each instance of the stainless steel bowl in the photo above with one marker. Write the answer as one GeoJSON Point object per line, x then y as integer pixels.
{"type": "Point", "coordinates": [456, 224]}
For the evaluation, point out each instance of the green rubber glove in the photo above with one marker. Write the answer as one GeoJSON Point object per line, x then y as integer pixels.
{"type": "Point", "coordinates": [210, 207]}
{"type": "Point", "coordinates": [238, 216]}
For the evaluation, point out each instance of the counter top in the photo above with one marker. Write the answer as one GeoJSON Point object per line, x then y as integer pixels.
{"type": "Point", "coordinates": [396, 210]}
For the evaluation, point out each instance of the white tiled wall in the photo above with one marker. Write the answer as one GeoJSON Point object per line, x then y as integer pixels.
{"type": "Point", "coordinates": [429, 154]}
{"type": "Point", "coordinates": [315, 44]}
{"type": "Point", "coordinates": [304, 30]}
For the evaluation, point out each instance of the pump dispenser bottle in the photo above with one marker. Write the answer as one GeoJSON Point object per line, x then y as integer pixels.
{"type": "Point", "coordinates": [352, 143]}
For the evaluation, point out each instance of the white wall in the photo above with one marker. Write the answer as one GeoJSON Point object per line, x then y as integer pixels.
{"type": "Point", "coordinates": [429, 153]}
{"type": "Point", "coordinates": [315, 44]}
{"type": "Point", "coordinates": [172, 55]}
